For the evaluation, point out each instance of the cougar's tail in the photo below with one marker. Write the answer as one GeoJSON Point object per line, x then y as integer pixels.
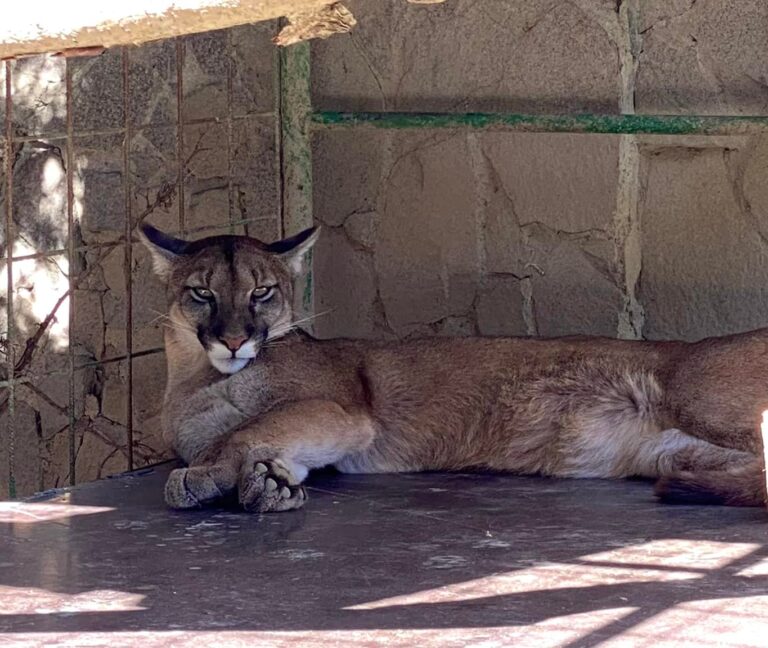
{"type": "Point", "coordinates": [742, 487]}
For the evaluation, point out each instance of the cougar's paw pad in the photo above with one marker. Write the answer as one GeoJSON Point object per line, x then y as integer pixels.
{"type": "Point", "coordinates": [196, 486]}
{"type": "Point", "coordinates": [270, 486]}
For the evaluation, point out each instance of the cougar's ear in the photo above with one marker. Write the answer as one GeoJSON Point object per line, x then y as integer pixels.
{"type": "Point", "coordinates": [293, 251]}
{"type": "Point", "coordinates": [165, 249]}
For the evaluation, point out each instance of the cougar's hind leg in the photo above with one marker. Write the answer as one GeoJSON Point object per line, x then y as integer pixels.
{"type": "Point", "coordinates": [693, 471]}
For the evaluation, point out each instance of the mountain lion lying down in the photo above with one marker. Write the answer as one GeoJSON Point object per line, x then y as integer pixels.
{"type": "Point", "coordinates": [253, 403]}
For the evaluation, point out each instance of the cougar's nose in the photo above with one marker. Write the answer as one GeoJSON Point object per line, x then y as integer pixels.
{"type": "Point", "coordinates": [233, 343]}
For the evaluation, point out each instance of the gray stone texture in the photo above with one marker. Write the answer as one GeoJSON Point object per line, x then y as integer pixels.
{"type": "Point", "coordinates": [705, 259]}
{"type": "Point", "coordinates": [255, 176]}
{"type": "Point", "coordinates": [463, 55]}
{"type": "Point", "coordinates": [2, 96]}
{"type": "Point", "coordinates": [153, 84]}
{"type": "Point", "coordinates": [39, 101]}
{"type": "Point", "coordinates": [703, 57]}
{"type": "Point", "coordinates": [204, 76]}
{"type": "Point", "coordinates": [229, 173]}
{"type": "Point", "coordinates": [99, 77]}
{"type": "Point", "coordinates": [433, 225]}
{"type": "Point", "coordinates": [206, 176]}
{"type": "Point", "coordinates": [99, 188]}
{"type": "Point", "coordinates": [40, 196]}
{"type": "Point", "coordinates": [2, 193]}
{"type": "Point", "coordinates": [254, 63]}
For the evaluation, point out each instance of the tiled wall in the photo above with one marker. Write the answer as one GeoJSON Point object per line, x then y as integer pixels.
{"type": "Point", "coordinates": [181, 133]}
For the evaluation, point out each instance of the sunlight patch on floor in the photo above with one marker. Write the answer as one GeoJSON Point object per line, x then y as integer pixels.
{"type": "Point", "coordinates": [30, 513]}
{"type": "Point", "coordinates": [725, 622]}
{"type": "Point", "coordinates": [34, 600]}
{"type": "Point", "coordinates": [552, 633]}
{"type": "Point", "coordinates": [651, 562]}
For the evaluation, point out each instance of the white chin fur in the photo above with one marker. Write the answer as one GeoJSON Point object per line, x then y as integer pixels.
{"type": "Point", "coordinates": [228, 366]}
{"type": "Point", "coordinates": [221, 357]}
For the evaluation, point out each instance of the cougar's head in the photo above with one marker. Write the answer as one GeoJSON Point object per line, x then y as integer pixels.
{"type": "Point", "coordinates": [228, 294]}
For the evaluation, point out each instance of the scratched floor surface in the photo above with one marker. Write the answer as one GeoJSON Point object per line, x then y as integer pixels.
{"type": "Point", "coordinates": [443, 560]}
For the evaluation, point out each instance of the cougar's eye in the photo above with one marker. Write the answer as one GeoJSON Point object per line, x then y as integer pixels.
{"type": "Point", "coordinates": [202, 295]}
{"type": "Point", "coordinates": [262, 293]}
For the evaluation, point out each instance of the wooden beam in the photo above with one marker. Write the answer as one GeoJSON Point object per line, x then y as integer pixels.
{"type": "Point", "coordinates": [54, 26]}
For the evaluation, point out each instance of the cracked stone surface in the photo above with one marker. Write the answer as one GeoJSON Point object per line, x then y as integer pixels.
{"type": "Point", "coordinates": [204, 76]}
{"type": "Point", "coordinates": [215, 156]}
{"type": "Point", "coordinates": [446, 231]}
{"type": "Point", "coordinates": [703, 57]}
{"type": "Point", "coordinates": [495, 55]}
{"type": "Point", "coordinates": [152, 84]}
{"type": "Point", "coordinates": [705, 251]}
{"type": "Point", "coordinates": [39, 103]}
{"type": "Point", "coordinates": [97, 76]}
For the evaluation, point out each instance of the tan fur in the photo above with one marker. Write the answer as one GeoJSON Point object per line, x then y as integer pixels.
{"type": "Point", "coordinates": [570, 407]}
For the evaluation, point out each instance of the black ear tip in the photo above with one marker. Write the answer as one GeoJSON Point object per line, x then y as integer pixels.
{"type": "Point", "coordinates": [307, 234]}
{"type": "Point", "coordinates": [147, 230]}
{"type": "Point", "coordinates": [160, 239]}
{"type": "Point", "coordinates": [295, 242]}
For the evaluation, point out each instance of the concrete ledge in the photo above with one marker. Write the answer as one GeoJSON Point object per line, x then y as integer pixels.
{"type": "Point", "coordinates": [53, 26]}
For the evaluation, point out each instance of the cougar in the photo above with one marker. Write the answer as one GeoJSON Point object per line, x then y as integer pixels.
{"type": "Point", "coordinates": [253, 403]}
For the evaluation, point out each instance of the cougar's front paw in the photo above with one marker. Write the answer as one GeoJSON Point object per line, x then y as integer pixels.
{"type": "Point", "coordinates": [197, 486]}
{"type": "Point", "coordinates": [269, 486]}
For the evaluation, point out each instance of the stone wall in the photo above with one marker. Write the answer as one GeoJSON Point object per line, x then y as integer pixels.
{"type": "Point", "coordinates": [426, 232]}
{"type": "Point", "coordinates": [456, 232]}
{"type": "Point", "coordinates": [181, 133]}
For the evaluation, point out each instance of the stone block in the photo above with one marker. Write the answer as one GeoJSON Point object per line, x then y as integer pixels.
{"type": "Point", "coordinates": [88, 333]}
{"type": "Point", "coordinates": [754, 185]}
{"type": "Point", "coordinates": [2, 188]}
{"type": "Point", "coordinates": [347, 167]}
{"type": "Point", "coordinates": [206, 177]}
{"type": "Point", "coordinates": [426, 256]}
{"type": "Point", "coordinates": [101, 449]}
{"type": "Point", "coordinates": [27, 430]}
{"type": "Point", "coordinates": [152, 84]}
{"type": "Point", "coordinates": [2, 96]}
{"type": "Point", "coordinates": [148, 302]}
{"type": "Point", "coordinates": [499, 306]}
{"type": "Point", "coordinates": [153, 172]}
{"type": "Point", "coordinates": [97, 91]}
{"type": "Point", "coordinates": [568, 182]}
{"type": "Point", "coordinates": [255, 177]}
{"type": "Point", "coordinates": [41, 432]}
{"type": "Point", "coordinates": [705, 57]}
{"type": "Point", "coordinates": [99, 188]}
{"type": "Point", "coordinates": [38, 288]}
{"type": "Point", "coordinates": [254, 61]}
{"type": "Point", "coordinates": [114, 300]}
{"type": "Point", "coordinates": [575, 284]}
{"type": "Point", "coordinates": [345, 288]}
{"type": "Point", "coordinates": [705, 260]}
{"type": "Point", "coordinates": [549, 203]}
{"type": "Point", "coordinates": [204, 76]}
{"type": "Point", "coordinates": [461, 326]}
{"type": "Point", "coordinates": [40, 197]}
{"type": "Point", "coordinates": [113, 396]}
{"type": "Point", "coordinates": [148, 388]}
{"type": "Point", "coordinates": [461, 56]}
{"type": "Point", "coordinates": [39, 98]}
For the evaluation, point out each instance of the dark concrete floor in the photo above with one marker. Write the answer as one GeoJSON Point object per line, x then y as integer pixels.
{"type": "Point", "coordinates": [396, 560]}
